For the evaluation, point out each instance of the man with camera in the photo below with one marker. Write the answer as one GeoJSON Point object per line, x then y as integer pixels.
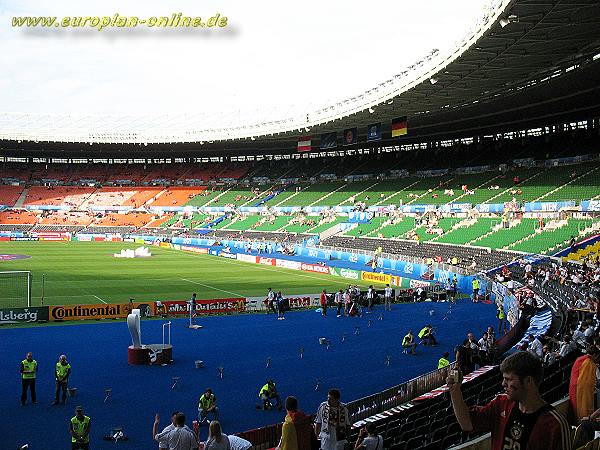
{"type": "Point", "coordinates": [368, 439]}
{"type": "Point", "coordinates": [519, 418]}
{"type": "Point", "coordinates": [332, 421]}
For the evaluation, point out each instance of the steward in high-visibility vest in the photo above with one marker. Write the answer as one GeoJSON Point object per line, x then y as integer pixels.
{"type": "Point", "coordinates": [268, 392]}
{"type": "Point", "coordinates": [426, 335]}
{"type": "Point", "coordinates": [475, 285]}
{"type": "Point", "coordinates": [62, 371]}
{"type": "Point", "coordinates": [408, 342]}
{"type": "Point", "coordinates": [443, 361]}
{"type": "Point", "coordinates": [80, 430]}
{"type": "Point", "coordinates": [207, 404]}
{"type": "Point", "coordinates": [29, 367]}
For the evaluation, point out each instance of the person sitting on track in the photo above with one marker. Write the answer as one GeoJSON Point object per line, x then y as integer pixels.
{"type": "Point", "coordinates": [426, 335]}
{"type": "Point", "coordinates": [409, 343]}
{"type": "Point", "coordinates": [267, 393]}
{"type": "Point", "coordinates": [207, 404]}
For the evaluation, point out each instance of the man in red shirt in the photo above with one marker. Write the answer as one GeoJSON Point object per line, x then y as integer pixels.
{"type": "Point", "coordinates": [519, 418]}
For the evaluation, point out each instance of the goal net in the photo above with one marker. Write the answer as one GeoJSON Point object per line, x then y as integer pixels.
{"type": "Point", "coordinates": [15, 289]}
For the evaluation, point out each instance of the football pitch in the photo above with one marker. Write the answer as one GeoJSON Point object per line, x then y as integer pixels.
{"type": "Point", "coordinates": [88, 273]}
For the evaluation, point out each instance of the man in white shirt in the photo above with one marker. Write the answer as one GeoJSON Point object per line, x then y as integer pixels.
{"type": "Point", "coordinates": [238, 443]}
{"type": "Point", "coordinates": [388, 297]}
{"type": "Point", "coordinates": [332, 421]}
{"type": "Point", "coordinates": [579, 338]}
{"type": "Point", "coordinates": [370, 297]}
{"type": "Point", "coordinates": [178, 438]}
{"type": "Point", "coordinates": [535, 346]}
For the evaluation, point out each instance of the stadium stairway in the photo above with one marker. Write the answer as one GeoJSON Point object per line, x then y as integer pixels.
{"type": "Point", "coordinates": [19, 203]}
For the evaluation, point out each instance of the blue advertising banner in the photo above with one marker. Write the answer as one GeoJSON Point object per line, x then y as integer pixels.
{"type": "Point", "coordinates": [374, 132]}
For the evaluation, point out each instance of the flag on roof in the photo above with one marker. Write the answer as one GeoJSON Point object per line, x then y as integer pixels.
{"type": "Point", "coordinates": [399, 127]}
{"type": "Point", "coordinates": [304, 144]}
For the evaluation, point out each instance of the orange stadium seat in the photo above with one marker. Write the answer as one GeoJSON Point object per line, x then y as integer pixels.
{"type": "Point", "coordinates": [72, 196]}
{"type": "Point", "coordinates": [177, 196]}
{"type": "Point", "coordinates": [67, 218]}
{"type": "Point", "coordinates": [124, 220]}
{"type": "Point", "coordinates": [10, 194]}
{"type": "Point", "coordinates": [18, 217]}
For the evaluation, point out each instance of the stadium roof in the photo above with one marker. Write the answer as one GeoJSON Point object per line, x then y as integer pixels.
{"type": "Point", "coordinates": [527, 63]}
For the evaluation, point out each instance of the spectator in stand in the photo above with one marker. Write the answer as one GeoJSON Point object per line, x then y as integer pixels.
{"type": "Point", "coordinates": [535, 346]}
{"type": "Point", "coordinates": [332, 421]}
{"type": "Point", "coordinates": [171, 426]}
{"type": "Point", "coordinates": [579, 337]}
{"type": "Point", "coordinates": [297, 432]}
{"type": "Point", "coordinates": [519, 418]}
{"type": "Point", "coordinates": [216, 439]}
{"type": "Point", "coordinates": [238, 443]}
{"type": "Point", "coordinates": [470, 343]}
{"type": "Point", "coordinates": [549, 357]}
{"type": "Point", "coordinates": [582, 385]}
{"type": "Point", "coordinates": [179, 437]}
{"type": "Point", "coordinates": [368, 438]}
{"type": "Point", "coordinates": [566, 346]}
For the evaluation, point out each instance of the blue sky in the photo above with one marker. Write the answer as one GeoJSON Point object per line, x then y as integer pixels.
{"type": "Point", "coordinates": [272, 54]}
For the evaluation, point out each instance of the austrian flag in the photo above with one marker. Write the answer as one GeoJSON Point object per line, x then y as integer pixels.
{"type": "Point", "coordinates": [304, 144]}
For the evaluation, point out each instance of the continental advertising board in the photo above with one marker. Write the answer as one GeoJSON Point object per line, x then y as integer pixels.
{"type": "Point", "coordinates": [213, 306]}
{"type": "Point", "coordinates": [373, 277]}
{"type": "Point", "coordinates": [98, 311]}
{"type": "Point", "coordinates": [24, 315]}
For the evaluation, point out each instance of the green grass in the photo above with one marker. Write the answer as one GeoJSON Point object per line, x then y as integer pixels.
{"type": "Point", "coordinates": [85, 272]}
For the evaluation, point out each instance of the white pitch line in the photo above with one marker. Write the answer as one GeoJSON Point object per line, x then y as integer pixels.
{"type": "Point", "coordinates": [99, 299]}
{"type": "Point", "coordinates": [212, 287]}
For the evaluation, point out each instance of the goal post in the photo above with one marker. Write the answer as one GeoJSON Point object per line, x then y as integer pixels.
{"type": "Point", "coordinates": [15, 289]}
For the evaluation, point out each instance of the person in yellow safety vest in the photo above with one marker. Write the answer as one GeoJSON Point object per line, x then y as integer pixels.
{"type": "Point", "coordinates": [29, 367]}
{"type": "Point", "coordinates": [62, 371]}
{"type": "Point", "coordinates": [443, 361]}
{"type": "Point", "coordinates": [426, 335]}
{"type": "Point", "coordinates": [207, 404]}
{"type": "Point", "coordinates": [409, 343]}
{"type": "Point", "coordinates": [501, 322]}
{"type": "Point", "coordinates": [475, 285]}
{"type": "Point", "coordinates": [268, 392]}
{"type": "Point", "coordinates": [80, 430]}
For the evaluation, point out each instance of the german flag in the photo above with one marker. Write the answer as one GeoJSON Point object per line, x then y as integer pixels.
{"type": "Point", "coordinates": [399, 127]}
